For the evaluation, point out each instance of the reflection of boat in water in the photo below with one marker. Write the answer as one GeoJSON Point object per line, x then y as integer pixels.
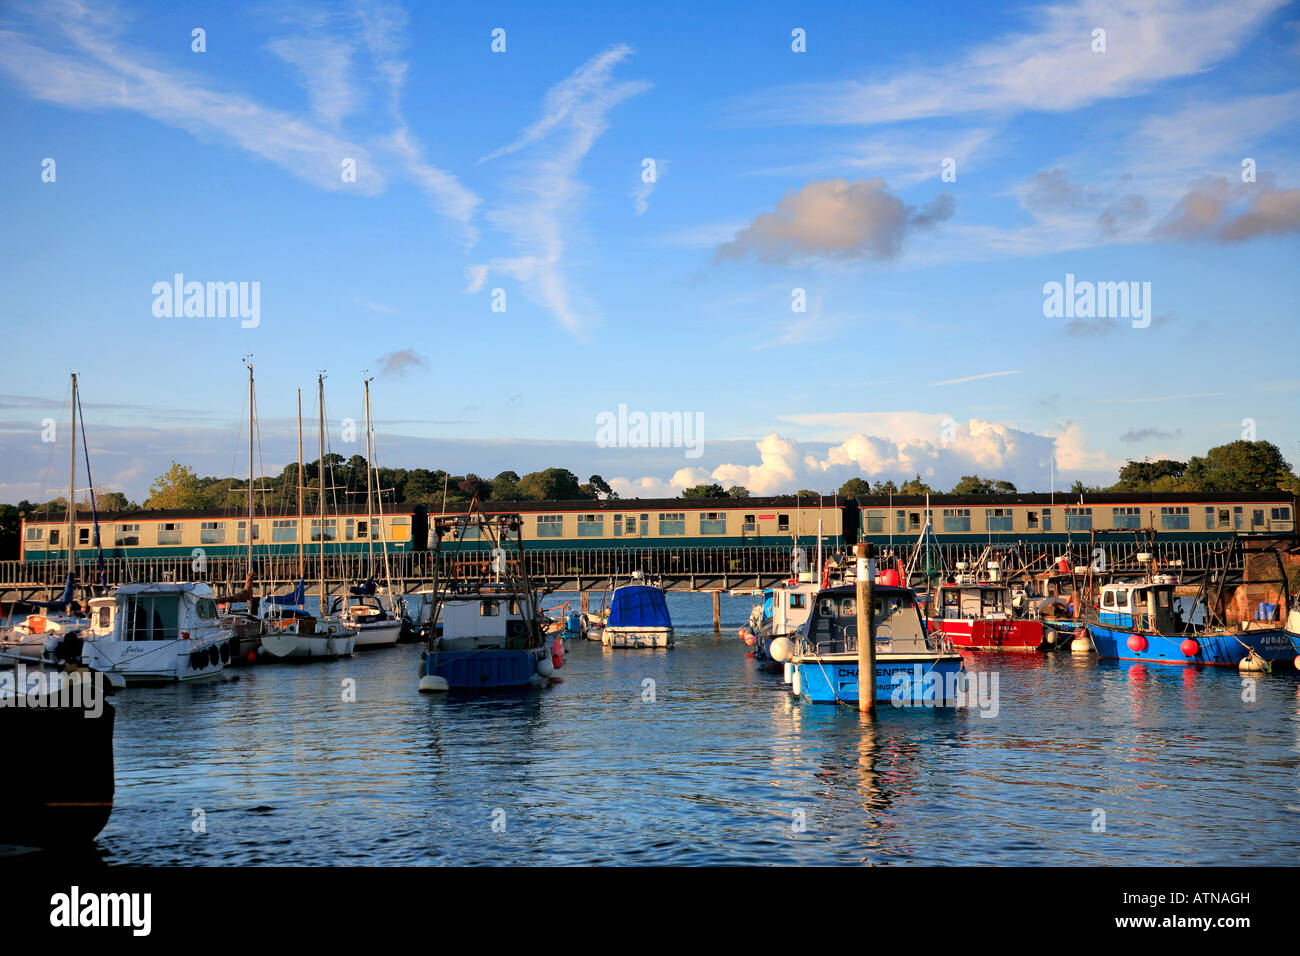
{"type": "Point", "coordinates": [912, 667]}
{"type": "Point", "coordinates": [490, 636]}
{"type": "Point", "coordinates": [67, 800]}
{"type": "Point", "coordinates": [638, 616]}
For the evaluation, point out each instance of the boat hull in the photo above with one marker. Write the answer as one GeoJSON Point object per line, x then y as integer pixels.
{"type": "Point", "coordinates": [637, 636]}
{"type": "Point", "coordinates": [990, 635]}
{"type": "Point", "coordinates": [1215, 650]}
{"type": "Point", "coordinates": [158, 662]}
{"type": "Point", "coordinates": [370, 636]}
{"type": "Point", "coordinates": [327, 647]}
{"type": "Point", "coordinates": [833, 678]}
{"type": "Point", "coordinates": [486, 669]}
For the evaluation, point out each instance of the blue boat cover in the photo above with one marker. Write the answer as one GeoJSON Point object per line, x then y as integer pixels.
{"type": "Point", "coordinates": [62, 600]}
{"type": "Point", "coordinates": [638, 605]}
{"type": "Point", "coordinates": [293, 599]}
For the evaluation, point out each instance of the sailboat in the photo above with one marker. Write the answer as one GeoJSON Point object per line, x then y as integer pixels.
{"type": "Point", "coordinates": [245, 624]}
{"type": "Point", "coordinates": [376, 626]}
{"type": "Point", "coordinates": [291, 631]}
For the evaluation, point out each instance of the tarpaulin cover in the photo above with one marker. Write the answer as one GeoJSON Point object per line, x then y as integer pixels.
{"type": "Point", "coordinates": [638, 605]}
{"type": "Point", "coordinates": [292, 599]}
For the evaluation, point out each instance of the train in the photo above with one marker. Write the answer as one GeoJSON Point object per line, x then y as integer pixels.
{"type": "Point", "coordinates": [669, 523]}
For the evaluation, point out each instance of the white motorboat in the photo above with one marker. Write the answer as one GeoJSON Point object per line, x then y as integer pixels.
{"type": "Point", "coordinates": [638, 616]}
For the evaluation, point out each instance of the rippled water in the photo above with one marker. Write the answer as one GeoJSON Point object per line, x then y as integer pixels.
{"type": "Point", "coordinates": [717, 769]}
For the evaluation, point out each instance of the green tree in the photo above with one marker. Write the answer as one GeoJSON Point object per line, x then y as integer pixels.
{"type": "Point", "coordinates": [552, 484]}
{"type": "Point", "coordinates": [1240, 466]}
{"type": "Point", "coordinates": [601, 487]}
{"type": "Point", "coordinates": [915, 486]}
{"type": "Point", "coordinates": [805, 493]}
{"type": "Point", "coordinates": [1144, 475]}
{"type": "Point", "coordinates": [178, 487]}
{"type": "Point", "coordinates": [705, 491]}
{"type": "Point", "coordinates": [738, 491]}
{"type": "Point", "coordinates": [886, 488]}
{"type": "Point", "coordinates": [855, 488]}
{"type": "Point", "coordinates": [505, 486]}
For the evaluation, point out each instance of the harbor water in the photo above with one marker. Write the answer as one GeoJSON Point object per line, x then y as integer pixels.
{"type": "Point", "coordinates": [693, 755]}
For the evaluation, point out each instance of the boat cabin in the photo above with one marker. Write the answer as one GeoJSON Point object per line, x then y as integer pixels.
{"type": "Point", "coordinates": [833, 626]}
{"type": "Point", "coordinates": [155, 612]}
{"type": "Point", "coordinates": [487, 620]}
{"type": "Point", "coordinates": [1142, 605]}
{"type": "Point", "coordinates": [787, 605]}
{"type": "Point", "coordinates": [988, 602]}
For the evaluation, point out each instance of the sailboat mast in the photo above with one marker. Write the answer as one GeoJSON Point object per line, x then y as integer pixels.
{"type": "Point", "coordinates": [320, 468]}
{"type": "Point", "coordinates": [370, 517]}
{"type": "Point", "coordinates": [301, 516]}
{"type": "Point", "coordinates": [251, 414]}
{"type": "Point", "coordinates": [72, 487]}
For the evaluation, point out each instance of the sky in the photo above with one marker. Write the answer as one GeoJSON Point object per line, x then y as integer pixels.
{"type": "Point", "coordinates": [825, 235]}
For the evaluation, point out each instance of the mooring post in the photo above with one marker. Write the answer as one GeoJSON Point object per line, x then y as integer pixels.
{"type": "Point", "coordinates": [584, 601]}
{"type": "Point", "coordinates": [866, 594]}
{"type": "Point", "coordinates": [717, 612]}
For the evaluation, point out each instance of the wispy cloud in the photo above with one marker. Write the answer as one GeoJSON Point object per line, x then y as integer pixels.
{"type": "Point", "coordinates": [976, 378]}
{"type": "Point", "coordinates": [541, 208]}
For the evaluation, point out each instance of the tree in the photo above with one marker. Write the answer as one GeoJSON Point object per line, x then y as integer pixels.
{"type": "Point", "coordinates": [114, 501]}
{"type": "Point", "coordinates": [1079, 488]}
{"type": "Point", "coordinates": [553, 484]}
{"type": "Point", "coordinates": [855, 488]}
{"type": "Point", "coordinates": [601, 488]}
{"type": "Point", "coordinates": [472, 486]}
{"type": "Point", "coordinates": [1001, 487]}
{"type": "Point", "coordinates": [738, 491]}
{"type": "Point", "coordinates": [705, 491]}
{"type": "Point", "coordinates": [177, 488]}
{"type": "Point", "coordinates": [915, 486]}
{"type": "Point", "coordinates": [1143, 475]}
{"type": "Point", "coordinates": [1240, 466]}
{"type": "Point", "coordinates": [10, 525]}
{"type": "Point", "coordinates": [887, 488]}
{"type": "Point", "coordinates": [805, 493]}
{"type": "Point", "coordinates": [505, 486]}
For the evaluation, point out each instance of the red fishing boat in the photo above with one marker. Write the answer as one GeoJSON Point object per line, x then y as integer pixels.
{"type": "Point", "coordinates": [980, 616]}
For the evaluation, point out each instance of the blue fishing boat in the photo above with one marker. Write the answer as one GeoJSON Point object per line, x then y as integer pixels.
{"type": "Point", "coordinates": [488, 631]}
{"type": "Point", "coordinates": [1140, 621]}
{"type": "Point", "coordinates": [913, 667]}
{"type": "Point", "coordinates": [638, 616]}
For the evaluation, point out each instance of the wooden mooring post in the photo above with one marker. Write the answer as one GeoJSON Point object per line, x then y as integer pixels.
{"type": "Point", "coordinates": [866, 594]}
{"type": "Point", "coordinates": [717, 612]}
{"type": "Point", "coordinates": [584, 601]}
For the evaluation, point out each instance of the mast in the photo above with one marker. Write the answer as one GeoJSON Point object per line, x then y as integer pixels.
{"type": "Point", "coordinates": [320, 468]}
{"type": "Point", "coordinates": [72, 489]}
{"type": "Point", "coordinates": [251, 415]}
{"type": "Point", "coordinates": [379, 495]}
{"type": "Point", "coordinates": [301, 516]}
{"type": "Point", "coordinates": [370, 516]}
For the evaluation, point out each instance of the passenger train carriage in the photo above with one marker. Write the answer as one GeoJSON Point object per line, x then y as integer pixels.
{"type": "Point", "coordinates": [685, 522]}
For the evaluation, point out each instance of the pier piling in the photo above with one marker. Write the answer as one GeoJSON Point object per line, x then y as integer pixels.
{"type": "Point", "coordinates": [866, 595]}
{"type": "Point", "coordinates": [717, 612]}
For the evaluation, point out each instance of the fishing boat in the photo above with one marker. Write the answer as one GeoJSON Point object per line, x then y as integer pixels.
{"type": "Point", "coordinates": [363, 609]}
{"type": "Point", "coordinates": [913, 667]}
{"type": "Point", "coordinates": [638, 615]}
{"type": "Point", "coordinates": [785, 607]}
{"type": "Point", "coordinates": [291, 632]}
{"type": "Point", "coordinates": [1140, 621]}
{"type": "Point", "coordinates": [65, 801]}
{"type": "Point", "coordinates": [491, 633]}
{"type": "Point", "coordinates": [978, 614]}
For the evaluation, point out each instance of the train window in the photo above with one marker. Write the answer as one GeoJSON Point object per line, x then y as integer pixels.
{"type": "Point", "coordinates": [331, 530]}
{"type": "Point", "coordinates": [1225, 518]}
{"type": "Point", "coordinates": [998, 519]}
{"type": "Point", "coordinates": [35, 534]}
{"type": "Point", "coordinates": [1281, 514]}
{"type": "Point", "coordinates": [591, 526]}
{"type": "Point", "coordinates": [1238, 518]}
{"type": "Point", "coordinates": [1126, 518]}
{"type": "Point", "coordinates": [54, 536]}
{"type": "Point", "coordinates": [672, 522]}
{"type": "Point", "coordinates": [363, 529]}
{"type": "Point", "coordinates": [875, 522]}
{"type": "Point", "coordinates": [1175, 518]}
{"type": "Point", "coordinates": [550, 526]}
{"type": "Point", "coordinates": [241, 531]}
{"type": "Point", "coordinates": [284, 530]}
{"type": "Point", "coordinates": [631, 524]}
{"type": "Point", "coordinates": [914, 521]}
{"type": "Point", "coordinates": [1032, 518]}
{"type": "Point", "coordinates": [169, 532]}
{"type": "Point", "coordinates": [212, 532]}
{"type": "Point", "coordinates": [618, 526]}
{"type": "Point", "coordinates": [1257, 517]}
{"type": "Point", "coordinates": [1209, 519]}
{"type": "Point", "coordinates": [83, 536]}
{"type": "Point", "coordinates": [713, 522]}
{"type": "Point", "coordinates": [782, 522]}
{"type": "Point", "coordinates": [956, 519]}
{"type": "Point", "coordinates": [1047, 519]}
{"type": "Point", "coordinates": [750, 523]}
{"type": "Point", "coordinates": [902, 518]}
{"type": "Point", "coordinates": [1078, 519]}
{"type": "Point", "coordinates": [126, 535]}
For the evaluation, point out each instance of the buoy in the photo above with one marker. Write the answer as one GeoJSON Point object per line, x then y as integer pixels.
{"type": "Point", "coordinates": [888, 578]}
{"type": "Point", "coordinates": [780, 649]}
{"type": "Point", "coordinates": [788, 673]}
{"type": "Point", "coordinates": [741, 633]}
{"type": "Point", "coordinates": [796, 684]}
{"type": "Point", "coordinates": [1190, 648]}
{"type": "Point", "coordinates": [432, 684]}
{"type": "Point", "coordinates": [1253, 662]}
{"type": "Point", "coordinates": [1296, 662]}
{"type": "Point", "coordinates": [557, 654]}
{"type": "Point", "coordinates": [251, 656]}
{"type": "Point", "coordinates": [750, 638]}
{"type": "Point", "coordinates": [214, 656]}
{"type": "Point", "coordinates": [544, 667]}
{"type": "Point", "coordinates": [1137, 643]}
{"type": "Point", "coordinates": [1080, 644]}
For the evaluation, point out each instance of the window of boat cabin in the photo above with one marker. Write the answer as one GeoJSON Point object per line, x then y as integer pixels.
{"type": "Point", "coordinates": [169, 532]}
{"type": "Point", "coordinates": [997, 519]}
{"type": "Point", "coordinates": [1125, 518]}
{"type": "Point", "coordinates": [1031, 517]}
{"type": "Point", "coordinates": [1078, 519]}
{"type": "Point", "coordinates": [126, 535]}
{"type": "Point", "coordinates": [206, 608]}
{"type": "Point", "coordinates": [212, 532]}
{"type": "Point", "coordinates": [284, 530]}
{"type": "Point", "coordinates": [591, 526]}
{"type": "Point", "coordinates": [875, 522]}
{"type": "Point", "coordinates": [550, 526]}
{"type": "Point", "coordinates": [1175, 518]}
{"type": "Point", "coordinates": [1047, 519]}
{"type": "Point", "coordinates": [1108, 599]}
{"type": "Point", "coordinates": [672, 522]}
{"type": "Point", "coordinates": [331, 529]}
{"type": "Point", "coordinates": [796, 601]}
{"type": "Point", "coordinates": [782, 522]}
{"type": "Point", "coordinates": [513, 607]}
{"type": "Point", "coordinates": [956, 519]}
{"type": "Point", "coordinates": [488, 609]}
{"type": "Point", "coordinates": [713, 522]}
{"type": "Point", "coordinates": [105, 617]}
{"type": "Point", "coordinates": [152, 617]}
{"type": "Point", "coordinates": [750, 524]}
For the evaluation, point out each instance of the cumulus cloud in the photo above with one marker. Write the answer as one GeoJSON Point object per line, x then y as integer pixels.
{"type": "Point", "coordinates": [836, 218]}
{"type": "Point", "coordinates": [1232, 212]}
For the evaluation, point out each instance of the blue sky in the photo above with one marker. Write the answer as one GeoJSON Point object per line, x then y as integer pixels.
{"type": "Point", "coordinates": [923, 347]}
